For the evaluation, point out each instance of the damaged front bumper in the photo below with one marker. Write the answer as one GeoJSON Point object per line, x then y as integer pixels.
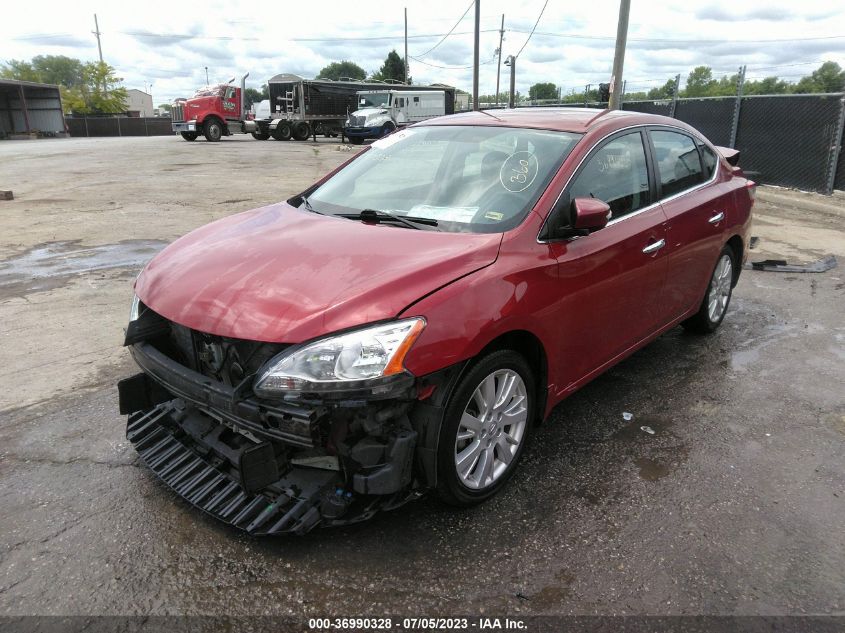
{"type": "Point", "coordinates": [271, 468]}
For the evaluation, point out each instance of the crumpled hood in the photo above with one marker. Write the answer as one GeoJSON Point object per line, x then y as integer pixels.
{"type": "Point", "coordinates": [280, 274]}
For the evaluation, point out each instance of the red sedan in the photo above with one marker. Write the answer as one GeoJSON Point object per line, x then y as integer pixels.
{"type": "Point", "coordinates": [404, 323]}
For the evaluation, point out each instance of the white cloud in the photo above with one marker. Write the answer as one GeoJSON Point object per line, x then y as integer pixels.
{"type": "Point", "coordinates": [573, 46]}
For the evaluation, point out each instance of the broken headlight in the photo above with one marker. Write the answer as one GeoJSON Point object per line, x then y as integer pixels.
{"type": "Point", "coordinates": [368, 360]}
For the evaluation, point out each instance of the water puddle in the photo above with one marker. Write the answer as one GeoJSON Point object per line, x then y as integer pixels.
{"type": "Point", "coordinates": [51, 265]}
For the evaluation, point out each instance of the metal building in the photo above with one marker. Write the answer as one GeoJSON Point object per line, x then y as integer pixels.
{"type": "Point", "coordinates": [27, 107]}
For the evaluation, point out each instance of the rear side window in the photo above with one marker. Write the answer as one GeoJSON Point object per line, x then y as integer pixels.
{"type": "Point", "coordinates": [678, 164]}
{"type": "Point", "coordinates": [616, 174]}
{"type": "Point", "coordinates": [709, 159]}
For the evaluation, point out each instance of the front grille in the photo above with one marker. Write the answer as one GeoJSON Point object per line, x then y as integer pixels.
{"type": "Point", "coordinates": [357, 121]}
{"type": "Point", "coordinates": [177, 112]}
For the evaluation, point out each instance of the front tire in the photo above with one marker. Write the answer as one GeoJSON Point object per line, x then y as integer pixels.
{"type": "Point", "coordinates": [387, 128]}
{"type": "Point", "coordinates": [213, 130]}
{"type": "Point", "coordinates": [356, 140]}
{"type": "Point", "coordinates": [485, 428]}
{"type": "Point", "coordinates": [714, 306]}
{"type": "Point", "coordinates": [189, 136]}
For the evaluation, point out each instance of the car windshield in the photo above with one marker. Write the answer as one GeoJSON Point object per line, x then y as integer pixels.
{"type": "Point", "coordinates": [377, 100]}
{"type": "Point", "coordinates": [469, 179]}
{"type": "Point", "coordinates": [211, 91]}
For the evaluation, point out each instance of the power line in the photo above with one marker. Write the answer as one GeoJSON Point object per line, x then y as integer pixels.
{"type": "Point", "coordinates": [450, 30]}
{"type": "Point", "coordinates": [680, 41]}
{"type": "Point", "coordinates": [490, 61]}
{"type": "Point", "coordinates": [532, 30]}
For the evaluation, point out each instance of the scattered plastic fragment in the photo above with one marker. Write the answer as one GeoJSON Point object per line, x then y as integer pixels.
{"type": "Point", "coordinates": [781, 265]}
{"type": "Point", "coordinates": [627, 416]}
{"type": "Point", "coordinates": [647, 429]}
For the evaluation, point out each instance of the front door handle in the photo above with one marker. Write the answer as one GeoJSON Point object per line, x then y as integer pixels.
{"type": "Point", "coordinates": [717, 218]}
{"type": "Point", "coordinates": [653, 248]}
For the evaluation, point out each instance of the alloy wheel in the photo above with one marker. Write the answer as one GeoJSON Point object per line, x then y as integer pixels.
{"type": "Point", "coordinates": [491, 429]}
{"type": "Point", "coordinates": [720, 288]}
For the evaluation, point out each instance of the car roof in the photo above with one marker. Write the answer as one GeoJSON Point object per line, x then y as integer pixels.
{"type": "Point", "coordinates": [563, 119]}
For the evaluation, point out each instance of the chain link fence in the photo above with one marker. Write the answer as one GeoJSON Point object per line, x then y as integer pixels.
{"type": "Point", "coordinates": [788, 140]}
{"type": "Point", "coordinates": [118, 126]}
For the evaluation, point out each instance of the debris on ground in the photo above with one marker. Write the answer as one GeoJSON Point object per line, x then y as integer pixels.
{"type": "Point", "coordinates": [782, 266]}
{"type": "Point", "coordinates": [627, 416]}
{"type": "Point", "coordinates": [647, 429]}
{"type": "Point", "coordinates": [6, 195]}
{"type": "Point", "coordinates": [752, 243]}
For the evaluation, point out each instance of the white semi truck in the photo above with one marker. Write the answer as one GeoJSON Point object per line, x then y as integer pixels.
{"type": "Point", "coordinates": [382, 111]}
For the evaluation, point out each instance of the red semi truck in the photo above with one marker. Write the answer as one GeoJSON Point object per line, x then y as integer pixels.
{"type": "Point", "coordinates": [215, 111]}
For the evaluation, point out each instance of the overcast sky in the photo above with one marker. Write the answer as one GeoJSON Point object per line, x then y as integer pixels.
{"type": "Point", "coordinates": [169, 44]}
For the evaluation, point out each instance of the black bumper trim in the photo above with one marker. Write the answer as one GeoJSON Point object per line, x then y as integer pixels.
{"type": "Point", "coordinates": [294, 509]}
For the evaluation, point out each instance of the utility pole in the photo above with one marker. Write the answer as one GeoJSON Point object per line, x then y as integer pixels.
{"type": "Point", "coordinates": [96, 32]}
{"type": "Point", "coordinates": [511, 61]}
{"type": "Point", "coordinates": [206, 75]}
{"type": "Point", "coordinates": [499, 69]}
{"type": "Point", "coordinates": [619, 55]}
{"type": "Point", "coordinates": [475, 55]}
{"type": "Point", "coordinates": [406, 45]}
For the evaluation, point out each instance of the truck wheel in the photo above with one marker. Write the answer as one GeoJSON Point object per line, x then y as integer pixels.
{"type": "Point", "coordinates": [189, 136]}
{"type": "Point", "coordinates": [356, 140]}
{"type": "Point", "coordinates": [282, 132]}
{"type": "Point", "coordinates": [212, 130]}
{"type": "Point", "coordinates": [260, 136]}
{"type": "Point", "coordinates": [387, 128]}
{"type": "Point", "coordinates": [301, 131]}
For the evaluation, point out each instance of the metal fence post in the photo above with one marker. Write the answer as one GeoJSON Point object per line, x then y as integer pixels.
{"type": "Point", "coordinates": [740, 82]}
{"type": "Point", "coordinates": [836, 149]}
{"type": "Point", "coordinates": [87, 135]}
{"type": "Point", "coordinates": [675, 95]}
{"type": "Point", "coordinates": [586, 93]}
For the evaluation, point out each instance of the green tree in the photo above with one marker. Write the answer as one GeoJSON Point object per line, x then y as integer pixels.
{"type": "Point", "coordinates": [542, 91]}
{"type": "Point", "coordinates": [767, 86]}
{"type": "Point", "coordinates": [392, 68]}
{"type": "Point", "coordinates": [666, 91]}
{"type": "Point", "coordinates": [265, 92]}
{"type": "Point", "coordinates": [164, 107]}
{"type": "Point", "coordinates": [100, 92]}
{"type": "Point", "coordinates": [251, 96]}
{"type": "Point", "coordinates": [19, 69]}
{"type": "Point", "coordinates": [829, 77]}
{"type": "Point", "coordinates": [699, 82]}
{"type": "Point", "coordinates": [344, 68]}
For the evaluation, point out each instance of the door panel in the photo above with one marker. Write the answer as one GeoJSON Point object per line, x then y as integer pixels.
{"type": "Point", "coordinates": [613, 287]}
{"type": "Point", "coordinates": [695, 220]}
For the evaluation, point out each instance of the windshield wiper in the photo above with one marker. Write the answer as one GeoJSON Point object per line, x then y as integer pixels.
{"type": "Point", "coordinates": [373, 215]}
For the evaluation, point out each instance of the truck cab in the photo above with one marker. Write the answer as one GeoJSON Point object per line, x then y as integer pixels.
{"type": "Point", "coordinates": [214, 111]}
{"type": "Point", "coordinates": [382, 111]}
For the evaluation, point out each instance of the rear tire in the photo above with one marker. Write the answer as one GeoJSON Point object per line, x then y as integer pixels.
{"type": "Point", "coordinates": [485, 428]}
{"type": "Point", "coordinates": [260, 136]}
{"type": "Point", "coordinates": [282, 131]}
{"type": "Point", "coordinates": [716, 300]}
{"type": "Point", "coordinates": [212, 130]}
{"type": "Point", "coordinates": [189, 136]}
{"type": "Point", "coordinates": [301, 131]}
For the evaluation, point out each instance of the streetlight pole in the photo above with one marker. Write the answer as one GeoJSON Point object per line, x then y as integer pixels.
{"type": "Point", "coordinates": [619, 55]}
{"type": "Point", "coordinates": [206, 75]}
{"type": "Point", "coordinates": [511, 61]}
{"type": "Point", "coordinates": [406, 45]}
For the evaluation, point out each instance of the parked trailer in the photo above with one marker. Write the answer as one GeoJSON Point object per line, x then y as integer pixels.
{"type": "Point", "coordinates": [302, 107]}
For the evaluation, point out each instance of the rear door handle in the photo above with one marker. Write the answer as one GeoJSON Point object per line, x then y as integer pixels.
{"type": "Point", "coordinates": [653, 248]}
{"type": "Point", "coordinates": [717, 218]}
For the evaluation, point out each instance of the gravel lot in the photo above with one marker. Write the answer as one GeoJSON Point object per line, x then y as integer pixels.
{"type": "Point", "coordinates": [734, 506]}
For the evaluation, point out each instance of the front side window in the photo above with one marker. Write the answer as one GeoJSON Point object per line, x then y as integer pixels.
{"type": "Point", "coordinates": [468, 179]}
{"type": "Point", "coordinates": [616, 174]}
{"type": "Point", "coordinates": [678, 164]}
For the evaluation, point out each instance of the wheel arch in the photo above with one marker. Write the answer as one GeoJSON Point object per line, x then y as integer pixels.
{"type": "Point", "coordinates": [737, 246]}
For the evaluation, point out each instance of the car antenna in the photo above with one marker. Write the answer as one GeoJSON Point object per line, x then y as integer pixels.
{"type": "Point", "coordinates": [598, 116]}
{"type": "Point", "coordinates": [490, 115]}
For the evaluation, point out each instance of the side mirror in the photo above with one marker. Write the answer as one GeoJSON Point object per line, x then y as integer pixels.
{"type": "Point", "coordinates": [589, 214]}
